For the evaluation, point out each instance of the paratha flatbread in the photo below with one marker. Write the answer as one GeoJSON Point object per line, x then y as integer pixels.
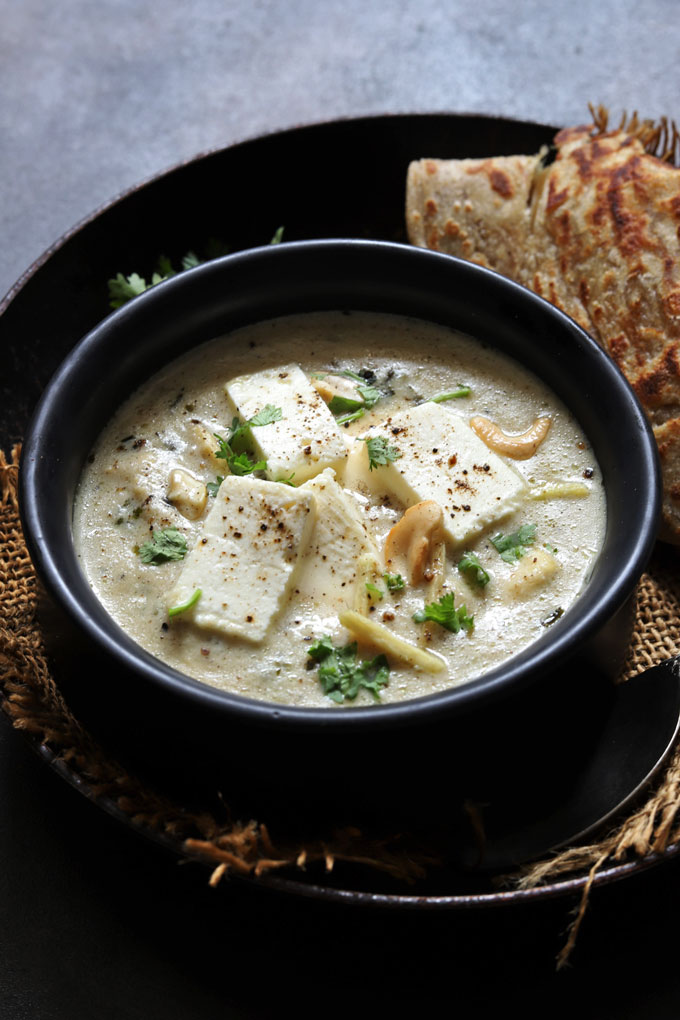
{"type": "Point", "coordinates": [592, 226]}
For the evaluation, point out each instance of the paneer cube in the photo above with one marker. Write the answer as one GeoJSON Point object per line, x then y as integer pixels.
{"type": "Point", "coordinates": [440, 458]}
{"type": "Point", "coordinates": [306, 439]}
{"type": "Point", "coordinates": [246, 557]}
{"type": "Point", "coordinates": [338, 547]}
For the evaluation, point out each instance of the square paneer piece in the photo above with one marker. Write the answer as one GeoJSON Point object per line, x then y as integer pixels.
{"type": "Point", "coordinates": [441, 458]}
{"type": "Point", "coordinates": [306, 439]}
{"type": "Point", "coordinates": [340, 552]}
{"type": "Point", "coordinates": [245, 559]}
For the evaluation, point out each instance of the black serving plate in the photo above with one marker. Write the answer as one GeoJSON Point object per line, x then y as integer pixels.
{"type": "Point", "coordinates": [341, 179]}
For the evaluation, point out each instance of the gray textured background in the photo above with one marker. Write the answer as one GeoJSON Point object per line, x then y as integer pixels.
{"type": "Point", "coordinates": [97, 95]}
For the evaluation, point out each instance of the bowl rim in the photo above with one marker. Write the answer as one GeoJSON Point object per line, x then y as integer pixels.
{"type": "Point", "coordinates": [90, 616]}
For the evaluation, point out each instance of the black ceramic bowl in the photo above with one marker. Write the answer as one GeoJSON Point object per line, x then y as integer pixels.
{"type": "Point", "coordinates": [165, 721]}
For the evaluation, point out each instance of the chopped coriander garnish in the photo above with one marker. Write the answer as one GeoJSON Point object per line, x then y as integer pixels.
{"type": "Point", "coordinates": [183, 606]}
{"type": "Point", "coordinates": [239, 461]}
{"type": "Point", "coordinates": [214, 487]}
{"type": "Point", "coordinates": [369, 394]}
{"type": "Point", "coordinates": [513, 547]}
{"type": "Point", "coordinates": [266, 416]}
{"type": "Point", "coordinates": [241, 464]}
{"type": "Point", "coordinates": [123, 288]}
{"type": "Point", "coordinates": [373, 590]}
{"type": "Point", "coordinates": [367, 375]}
{"type": "Point", "coordinates": [342, 675]}
{"type": "Point", "coordinates": [379, 452]}
{"type": "Point", "coordinates": [461, 391]}
{"type": "Point", "coordinates": [354, 416]}
{"type": "Point", "coordinates": [444, 613]}
{"type": "Point", "coordinates": [190, 260]}
{"type": "Point", "coordinates": [472, 570]}
{"type": "Point", "coordinates": [288, 481]}
{"type": "Point", "coordinates": [394, 582]}
{"type": "Point", "coordinates": [341, 405]}
{"type": "Point", "coordinates": [167, 544]}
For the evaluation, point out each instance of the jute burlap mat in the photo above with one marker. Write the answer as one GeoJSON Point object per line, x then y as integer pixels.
{"type": "Point", "coordinates": [32, 701]}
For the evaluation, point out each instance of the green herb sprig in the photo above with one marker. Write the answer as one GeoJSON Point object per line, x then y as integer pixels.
{"type": "Point", "coordinates": [513, 547]}
{"type": "Point", "coordinates": [165, 545]}
{"type": "Point", "coordinates": [462, 390]}
{"type": "Point", "coordinates": [342, 675]}
{"type": "Point", "coordinates": [446, 615]}
{"type": "Point", "coordinates": [124, 288]}
{"type": "Point", "coordinates": [472, 570]}
{"type": "Point", "coordinates": [394, 582]}
{"type": "Point", "coordinates": [184, 606]}
{"type": "Point", "coordinates": [231, 449]}
{"type": "Point", "coordinates": [380, 452]}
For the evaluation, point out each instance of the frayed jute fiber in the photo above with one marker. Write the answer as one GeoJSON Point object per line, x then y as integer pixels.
{"type": "Point", "coordinates": [32, 701]}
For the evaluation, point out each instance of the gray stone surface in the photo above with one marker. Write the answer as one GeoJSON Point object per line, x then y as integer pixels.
{"type": "Point", "coordinates": [97, 96]}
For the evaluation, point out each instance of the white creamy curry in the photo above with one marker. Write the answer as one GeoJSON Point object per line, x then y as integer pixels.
{"type": "Point", "coordinates": [340, 508]}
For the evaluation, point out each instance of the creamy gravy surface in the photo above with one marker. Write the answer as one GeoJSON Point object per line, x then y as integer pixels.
{"type": "Point", "coordinates": [169, 425]}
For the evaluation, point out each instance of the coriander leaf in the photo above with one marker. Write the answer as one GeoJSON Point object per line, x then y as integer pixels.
{"type": "Point", "coordinates": [340, 405]}
{"type": "Point", "coordinates": [354, 416]}
{"type": "Point", "coordinates": [461, 391]}
{"type": "Point", "coordinates": [123, 288]}
{"type": "Point", "coordinates": [472, 570]}
{"type": "Point", "coordinates": [167, 544]}
{"type": "Point", "coordinates": [379, 452]}
{"type": "Point", "coordinates": [191, 260]}
{"type": "Point", "coordinates": [367, 375]}
{"type": "Point", "coordinates": [444, 613]}
{"type": "Point", "coordinates": [183, 606]}
{"type": "Point", "coordinates": [369, 394]}
{"type": "Point", "coordinates": [164, 270]}
{"type": "Point", "coordinates": [322, 648]}
{"type": "Point", "coordinates": [342, 676]}
{"type": "Point", "coordinates": [513, 547]}
{"type": "Point", "coordinates": [394, 582]}
{"type": "Point", "coordinates": [288, 481]}
{"type": "Point", "coordinates": [224, 451]}
{"type": "Point", "coordinates": [239, 461]}
{"type": "Point", "coordinates": [266, 416]}
{"type": "Point", "coordinates": [241, 464]}
{"type": "Point", "coordinates": [373, 590]}
{"type": "Point", "coordinates": [213, 487]}
{"type": "Point", "coordinates": [278, 236]}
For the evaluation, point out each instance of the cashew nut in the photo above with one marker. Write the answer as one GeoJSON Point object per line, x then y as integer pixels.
{"type": "Point", "coordinates": [519, 447]}
{"type": "Point", "coordinates": [419, 537]}
{"type": "Point", "coordinates": [187, 494]}
{"type": "Point", "coordinates": [205, 445]}
{"type": "Point", "coordinates": [534, 570]}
